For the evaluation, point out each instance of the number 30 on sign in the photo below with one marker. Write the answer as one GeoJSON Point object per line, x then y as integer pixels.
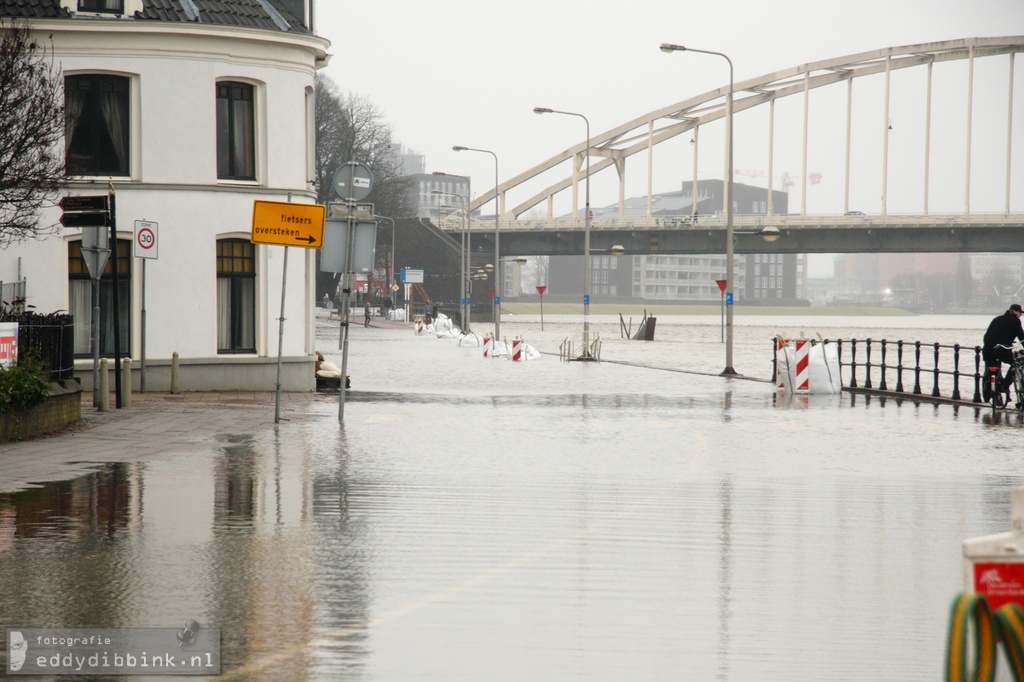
{"type": "Point", "coordinates": [145, 244]}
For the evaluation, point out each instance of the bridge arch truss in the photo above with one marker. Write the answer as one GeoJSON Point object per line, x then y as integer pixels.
{"type": "Point", "coordinates": [612, 147]}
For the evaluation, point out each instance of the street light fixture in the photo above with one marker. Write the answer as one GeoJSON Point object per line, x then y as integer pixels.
{"type": "Point", "coordinates": [587, 354]}
{"type": "Point", "coordinates": [669, 47]}
{"type": "Point", "coordinates": [497, 234]}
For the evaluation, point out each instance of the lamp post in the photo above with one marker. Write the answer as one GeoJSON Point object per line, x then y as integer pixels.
{"type": "Point", "coordinates": [497, 235]}
{"type": "Point", "coordinates": [463, 257]}
{"type": "Point", "coordinates": [587, 355]}
{"type": "Point", "coordinates": [391, 260]}
{"type": "Point", "coordinates": [668, 47]}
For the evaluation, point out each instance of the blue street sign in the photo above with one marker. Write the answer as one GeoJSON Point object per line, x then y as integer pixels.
{"type": "Point", "coordinates": [728, 298]}
{"type": "Point", "coordinates": [586, 299]}
{"type": "Point", "coordinates": [497, 300]}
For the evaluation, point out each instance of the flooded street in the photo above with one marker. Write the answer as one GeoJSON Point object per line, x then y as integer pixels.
{"type": "Point", "coordinates": [478, 519]}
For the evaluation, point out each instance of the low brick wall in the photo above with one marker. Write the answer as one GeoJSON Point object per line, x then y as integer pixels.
{"type": "Point", "coordinates": [63, 407]}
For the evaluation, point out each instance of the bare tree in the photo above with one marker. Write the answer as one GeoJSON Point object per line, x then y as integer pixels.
{"type": "Point", "coordinates": [31, 130]}
{"type": "Point", "coordinates": [351, 128]}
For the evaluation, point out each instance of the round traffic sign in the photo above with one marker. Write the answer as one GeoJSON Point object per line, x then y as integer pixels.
{"type": "Point", "coordinates": [353, 181]}
{"type": "Point", "coordinates": [146, 238]}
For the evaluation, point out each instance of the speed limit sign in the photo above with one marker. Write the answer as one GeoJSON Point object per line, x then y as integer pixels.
{"type": "Point", "coordinates": [145, 239]}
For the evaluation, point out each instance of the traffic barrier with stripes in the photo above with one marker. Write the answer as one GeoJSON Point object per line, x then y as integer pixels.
{"type": "Point", "coordinates": [488, 346]}
{"type": "Point", "coordinates": [517, 349]}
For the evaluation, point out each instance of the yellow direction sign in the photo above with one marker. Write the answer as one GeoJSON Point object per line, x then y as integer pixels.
{"type": "Point", "coordinates": [278, 222]}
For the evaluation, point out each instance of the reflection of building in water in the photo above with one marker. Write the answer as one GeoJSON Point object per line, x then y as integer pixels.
{"type": "Point", "coordinates": [91, 523]}
{"type": "Point", "coordinates": [262, 568]}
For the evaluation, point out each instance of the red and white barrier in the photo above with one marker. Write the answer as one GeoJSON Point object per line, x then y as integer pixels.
{"type": "Point", "coordinates": [804, 367]}
{"type": "Point", "coordinates": [488, 346]}
{"type": "Point", "coordinates": [517, 349]}
{"type": "Point", "coordinates": [419, 327]}
{"type": "Point", "coordinates": [802, 382]}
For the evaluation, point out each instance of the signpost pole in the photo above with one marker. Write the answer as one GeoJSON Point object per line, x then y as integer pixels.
{"type": "Point", "coordinates": [348, 281]}
{"type": "Point", "coordinates": [95, 341]}
{"type": "Point", "coordinates": [280, 338]}
{"type": "Point", "coordinates": [142, 368]}
{"type": "Point", "coordinates": [117, 301]}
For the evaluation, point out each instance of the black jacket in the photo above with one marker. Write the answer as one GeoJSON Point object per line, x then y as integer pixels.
{"type": "Point", "coordinates": [1003, 330]}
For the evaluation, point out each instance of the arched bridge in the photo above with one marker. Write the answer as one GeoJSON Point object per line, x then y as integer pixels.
{"type": "Point", "coordinates": [948, 189]}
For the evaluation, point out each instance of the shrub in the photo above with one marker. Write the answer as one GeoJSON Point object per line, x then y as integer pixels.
{"type": "Point", "coordinates": [25, 385]}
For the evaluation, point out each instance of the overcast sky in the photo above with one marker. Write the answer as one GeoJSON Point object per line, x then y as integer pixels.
{"type": "Point", "coordinates": [469, 73]}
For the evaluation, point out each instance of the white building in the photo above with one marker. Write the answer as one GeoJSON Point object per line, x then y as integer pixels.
{"type": "Point", "coordinates": [190, 110]}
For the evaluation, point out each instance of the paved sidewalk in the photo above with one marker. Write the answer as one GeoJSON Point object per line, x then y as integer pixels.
{"type": "Point", "coordinates": [155, 423]}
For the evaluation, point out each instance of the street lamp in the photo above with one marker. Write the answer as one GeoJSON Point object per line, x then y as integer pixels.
{"type": "Point", "coordinates": [668, 47]}
{"type": "Point", "coordinates": [587, 355]}
{"type": "Point", "coordinates": [464, 257]}
{"type": "Point", "coordinates": [391, 268]}
{"type": "Point", "coordinates": [497, 235]}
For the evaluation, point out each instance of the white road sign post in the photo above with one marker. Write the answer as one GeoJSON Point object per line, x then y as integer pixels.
{"type": "Point", "coordinates": [144, 246]}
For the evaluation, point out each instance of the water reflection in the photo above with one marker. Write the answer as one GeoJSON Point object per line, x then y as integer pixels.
{"type": "Point", "coordinates": [66, 548]}
{"type": "Point", "coordinates": [556, 521]}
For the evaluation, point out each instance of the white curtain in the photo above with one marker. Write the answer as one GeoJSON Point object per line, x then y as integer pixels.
{"type": "Point", "coordinates": [80, 295]}
{"type": "Point", "coordinates": [115, 112]}
{"type": "Point", "coordinates": [223, 313]}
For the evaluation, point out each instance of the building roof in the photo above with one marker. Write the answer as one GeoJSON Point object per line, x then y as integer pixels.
{"type": "Point", "coordinates": [262, 14]}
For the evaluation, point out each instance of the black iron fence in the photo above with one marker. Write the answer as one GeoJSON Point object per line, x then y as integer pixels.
{"type": "Point", "coordinates": [934, 369]}
{"type": "Point", "coordinates": [52, 337]}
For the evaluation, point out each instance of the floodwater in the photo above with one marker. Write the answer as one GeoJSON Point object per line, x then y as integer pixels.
{"type": "Point", "coordinates": [479, 519]}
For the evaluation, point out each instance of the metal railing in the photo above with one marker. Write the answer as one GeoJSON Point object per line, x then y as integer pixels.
{"type": "Point", "coordinates": [916, 368]}
{"type": "Point", "coordinates": [572, 348]}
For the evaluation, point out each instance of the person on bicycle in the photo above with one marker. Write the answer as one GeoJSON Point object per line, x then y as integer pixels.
{"type": "Point", "coordinates": [999, 337]}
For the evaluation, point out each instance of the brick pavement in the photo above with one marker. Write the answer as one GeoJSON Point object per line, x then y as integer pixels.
{"type": "Point", "coordinates": [154, 423]}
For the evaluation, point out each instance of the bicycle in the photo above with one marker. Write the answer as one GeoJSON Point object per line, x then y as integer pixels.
{"type": "Point", "coordinates": [999, 387]}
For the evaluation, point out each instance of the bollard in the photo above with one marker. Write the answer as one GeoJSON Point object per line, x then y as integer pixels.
{"type": "Point", "coordinates": [104, 387]}
{"type": "Point", "coordinates": [488, 346]}
{"type": "Point", "coordinates": [517, 349]}
{"type": "Point", "coordinates": [126, 382]}
{"type": "Point", "coordinates": [175, 375]}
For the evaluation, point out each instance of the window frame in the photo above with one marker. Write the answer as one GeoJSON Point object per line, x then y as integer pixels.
{"type": "Point", "coordinates": [130, 125]}
{"type": "Point", "coordinates": [232, 174]}
{"type": "Point", "coordinates": [78, 272]}
{"type": "Point", "coordinates": [236, 280]}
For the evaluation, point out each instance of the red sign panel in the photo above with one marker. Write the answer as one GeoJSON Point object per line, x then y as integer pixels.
{"type": "Point", "coordinates": [721, 285]}
{"type": "Point", "coordinates": [8, 344]}
{"type": "Point", "coordinates": [541, 289]}
{"type": "Point", "coordinates": [1001, 583]}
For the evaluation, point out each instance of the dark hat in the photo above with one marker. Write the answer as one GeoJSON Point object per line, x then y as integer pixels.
{"type": "Point", "coordinates": [1016, 308]}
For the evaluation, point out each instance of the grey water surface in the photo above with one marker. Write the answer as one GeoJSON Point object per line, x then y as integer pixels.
{"type": "Point", "coordinates": [479, 519]}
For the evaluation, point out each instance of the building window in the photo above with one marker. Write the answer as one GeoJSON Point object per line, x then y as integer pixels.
{"type": "Point", "coordinates": [80, 292]}
{"type": "Point", "coordinates": [96, 120]}
{"type": "Point", "coordinates": [104, 6]}
{"type": "Point", "coordinates": [236, 132]}
{"type": "Point", "coordinates": [236, 296]}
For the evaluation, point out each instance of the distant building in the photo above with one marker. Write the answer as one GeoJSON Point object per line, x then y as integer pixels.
{"type": "Point", "coordinates": [768, 278]}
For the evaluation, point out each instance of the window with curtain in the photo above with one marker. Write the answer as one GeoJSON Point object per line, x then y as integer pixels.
{"type": "Point", "coordinates": [80, 295]}
{"type": "Point", "coordinates": [236, 296]}
{"type": "Point", "coordinates": [106, 6]}
{"type": "Point", "coordinates": [96, 125]}
{"type": "Point", "coordinates": [236, 132]}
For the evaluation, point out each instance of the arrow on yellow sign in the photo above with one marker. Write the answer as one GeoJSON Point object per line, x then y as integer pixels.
{"type": "Point", "coordinates": [279, 222]}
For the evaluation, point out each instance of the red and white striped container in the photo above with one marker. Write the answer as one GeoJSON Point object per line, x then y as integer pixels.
{"type": "Point", "coordinates": [517, 349]}
{"type": "Point", "coordinates": [419, 327]}
{"type": "Point", "coordinates": [802, 382]}
{"type": "Point", "coordinates": [488, 346]}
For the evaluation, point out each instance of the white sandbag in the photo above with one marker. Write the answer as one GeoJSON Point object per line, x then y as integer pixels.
{"type": "Point", "coordinates": [820, 373]}
{"type": "Point", "coordinates": [824, 365]}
